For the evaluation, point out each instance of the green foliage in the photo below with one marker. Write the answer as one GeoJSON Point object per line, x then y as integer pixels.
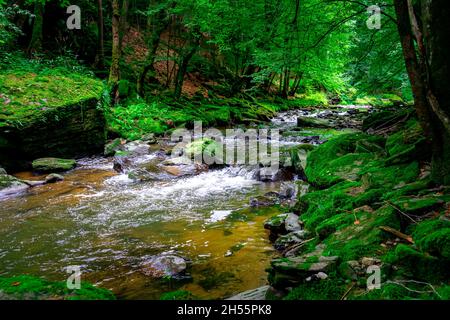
{"type": "Point", "coordinates": [8, 30]}
{"type": "Point", "coordinates": [329, 289]}
{"type": "Point", "coordinates": [29, 287]}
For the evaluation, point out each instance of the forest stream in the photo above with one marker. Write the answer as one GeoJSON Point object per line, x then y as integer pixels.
{"type": "Point", "coordinates": [111, 225]}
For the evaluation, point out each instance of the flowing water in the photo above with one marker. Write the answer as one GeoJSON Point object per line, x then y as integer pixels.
{"type": "Point", "coordinates": [108, 225]}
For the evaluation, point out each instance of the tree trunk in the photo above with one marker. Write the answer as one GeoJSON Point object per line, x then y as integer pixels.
{"type": "Point", "coordinates": [119, 25]}
{"type": "Point", "coordinates": [100, 58]}
{"type": "Point", "coordinates": [158, 25]}
{"type": "Point", "coordinates": [436, 22]}
{"type": "Point", "coordinates": [36, 35]}
{"type": "Point", "coordinates": [182, 67]}
{"type": "Point", "coordinates": [114, 73]}
{"type": "Point", "coordinates": [429, 74]}
{"type": "Point", "coordinates": [415, 71]}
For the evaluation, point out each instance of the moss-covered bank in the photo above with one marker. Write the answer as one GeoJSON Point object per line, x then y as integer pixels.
{"type": "Point", "coordinates": [26, 287]}
{"type": "Point", "coordinates": [45, 115]}
{"type": "Point", "coordinates": [374, 204]}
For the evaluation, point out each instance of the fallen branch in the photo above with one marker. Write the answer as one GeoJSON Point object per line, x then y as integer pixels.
{"type": "Point", "coordinates": [400, 283]}
{"type": "Point", "coordinates": [348, 291]}
{"type": "Point", "coordinates": [401, 212]}
{"type": "Point", "coordinates": [397, 234]}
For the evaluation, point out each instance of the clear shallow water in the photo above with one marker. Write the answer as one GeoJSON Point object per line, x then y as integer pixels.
{"type": "Point", "coordinates": [109, 226]}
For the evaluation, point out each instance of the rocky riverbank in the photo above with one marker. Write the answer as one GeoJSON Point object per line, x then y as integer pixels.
{"type": "Point", "coordinates": [371, 206]}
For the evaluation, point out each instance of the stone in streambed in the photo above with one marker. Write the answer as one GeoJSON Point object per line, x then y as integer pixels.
{"type": "Point", "coordinates": [149, 138]}
{"type": "Point", "coordinates": [121, 164]}
{"type": "Point", "coordinates": [292, 223]}
{"type": "Point", "coordinates": [53, 177]}
{"type": "Point", "coordinates": [113, 146]}
{"type": "Point", "coordinates": [10, 185]}
{"type": "Point", "coordinates": [166, 265]}
{"type": "Point", "coordinates": [53, 165]}
{"type": "Point", "coordinates": [276, 224]}
{"type": "Point", "coordinates": [141, 175]}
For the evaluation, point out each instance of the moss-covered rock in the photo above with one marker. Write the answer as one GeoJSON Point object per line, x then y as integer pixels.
{"type": "Point", "coordinates": [49, 115]}
{"type": "Point", "coordinates": [53, 165]}
{"type": "Point", "coordinates": [433, 236]}
{"type": "Point", "coordinates": [10, 185]}
{"type": "Point", "coordinates": [113, 147]}
{"type": "Point", "coordinates": [26, 287]}
{"type": "Point", "coordinates": [203, 148]}
{"type": "Point", "coordinates": [406, 144]}
{"type": "Point", "coordinates": [384, 119]}
{"type": "Point", "coordinates": [412, 263]}
{"type": "Point", "coordinates": [292, 271]}
{"type": "Point", "coordinates": [337, 161]}
{"type": "Point", "coordinates": [328, 289]}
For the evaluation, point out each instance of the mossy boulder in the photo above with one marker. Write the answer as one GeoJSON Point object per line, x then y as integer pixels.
{"type": "Point", "coordinates": [112, 147]}
{"type": "Point", "coordinates": [337, 160]}
{"type": "Point", "coordinates": [49, 115]}
{"type": "Point", "coordinates": [10, 185]}
{"type": "Point", "coordinates": [203, 148]}
{"type": "Point", "coordinates": [178, 295]}
{"type": "Point", "coordinates": [26, 287]}
{"type": "Point", "coordinates": [383, 119]}
{"type": "Point", "coordinates": [412, 263]}
{"type": "Point", "coordinates": [433, 236]}
{"type": "Point", "coordinates": [53, 165]}
{"type": "Point", "coordinates": [292, 271]}
{"type": "Point", "coordinates": [406, 144]}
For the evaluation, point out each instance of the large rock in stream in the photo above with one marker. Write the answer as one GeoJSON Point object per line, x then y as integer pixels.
{"type": "Point", "coordinates": [51, 165]}
{"type": "Point", "coordinates": [166, 265]}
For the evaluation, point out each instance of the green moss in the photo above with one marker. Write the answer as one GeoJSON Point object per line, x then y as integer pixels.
{"type": "Point", "coordinates": [53, 165]}
{"type": "Point", "coordinates": [336, 161]}
{"type": "Point", "coordinates": [336, 222]}
{"type": "Point", "coordinates": [29, 287]}
{"type": "Point", "coordinates": [26, 95]}
{"type": "Point", "coordinates": [329, 289]}
{"type": "Point", "coordinates": [419, 205]}
{"type": "Point", "coordinates": [178, 295]}
{"type": "Point", "coordinates": [310, 99]}
{"type": "Point", "coordinates": [433, 236]}
{"type": "Point", "coordinates": [398, 291]}
{"type": "Point", "coordinates": [408, 143]}
{"type": "Point", "coordinates": [202, 147]}
{"type": "Point", "coordinates": [415, 264]}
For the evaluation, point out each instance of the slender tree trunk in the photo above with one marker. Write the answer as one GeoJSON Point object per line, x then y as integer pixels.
{"type": "Point", "coordinates": [182, 67]}
{"type": "Point", "coordinates": [35, 44]}
{"type": "Point", "coordinates": [158, 25]}
{"type": "Point", "coordinates": [114, 73]}
{"type": "Point", "coordinates": [118, 27]}
{"type": "Point", "coordinates": [100, 58]}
